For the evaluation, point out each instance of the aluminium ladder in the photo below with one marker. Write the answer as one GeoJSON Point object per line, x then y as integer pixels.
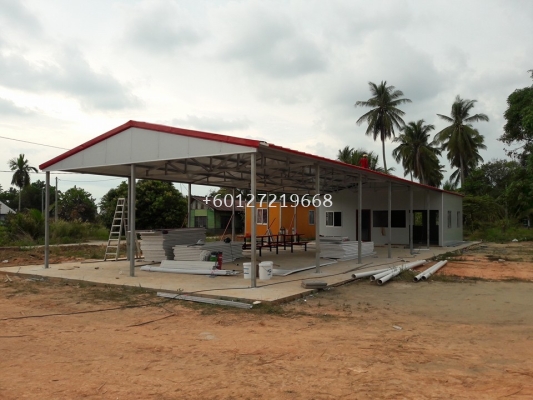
{"type": "Point", "coordinates": [119, 224]}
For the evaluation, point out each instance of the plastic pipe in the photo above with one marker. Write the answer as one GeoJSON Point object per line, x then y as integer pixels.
{"type": "Point", "coordinates": [366, 274]}
{"type": "Point", "coordinates": [434, 269]}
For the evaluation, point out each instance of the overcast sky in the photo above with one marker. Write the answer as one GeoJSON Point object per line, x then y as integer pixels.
{"type": "Point", "coordinates": [288, 72]}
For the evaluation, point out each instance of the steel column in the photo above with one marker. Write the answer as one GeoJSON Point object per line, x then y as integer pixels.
{"type": "Point", "coordinates": [131, 221]}
{"type": "Point", "coordinates": [411, 219]}
{"type": "Point", "coordinates": [47, 222]}
{"type": "Point", "coordinates": [189, 201]}
{"type": "Point", "coordinates": [253, 245]}
{"type": "Point", "coordinates": [427, 216]}
{"type": "Point", "coordinates": [317, 220]}
{"type": "Point", "coordinates": [233, 215]}
{"type": "Point", "coordinates": [389, 248]}
{"type": "Point", "coordinates": [359, 220]}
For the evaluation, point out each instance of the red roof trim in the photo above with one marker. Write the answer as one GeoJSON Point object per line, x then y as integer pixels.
{"type": "Point", "coordinates": [225, 139]}
{"type": "Point", "coordinates": [154, 127]}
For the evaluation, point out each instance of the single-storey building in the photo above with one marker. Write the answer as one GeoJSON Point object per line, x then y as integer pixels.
{"type": "Point", "coordinates": [4, 210]}
{"type": "Point", "coordinates": [215, 215]}
{"type": "Point", "coordinates": [351, 201]}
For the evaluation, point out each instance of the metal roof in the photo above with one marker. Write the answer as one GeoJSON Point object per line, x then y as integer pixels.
{"type": "Point", "coordinates": [181, 155]}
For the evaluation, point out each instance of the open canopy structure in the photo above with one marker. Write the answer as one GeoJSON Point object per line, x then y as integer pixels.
{"type": "Point", "coordinates": [151, 151]}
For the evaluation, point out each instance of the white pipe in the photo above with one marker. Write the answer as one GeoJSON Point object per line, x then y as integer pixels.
{"type": "Point", "coordinates": [434, 269]}
{"type": "Point", "coordinates": [366, 274]}
{"type": "Point", "coordinates": [381, 274]}
{"type": "Point", "coordinates": [189, 271]}
{"type": "Point", "coordinates": [385, 278]}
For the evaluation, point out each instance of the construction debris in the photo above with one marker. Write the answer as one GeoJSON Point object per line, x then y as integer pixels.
{"type": "Point", "coordinates": [204, 300]}
{"type": "Point", "coordinates": [158, 245]}
{"type": "Point", "coordinates": [314, 284]}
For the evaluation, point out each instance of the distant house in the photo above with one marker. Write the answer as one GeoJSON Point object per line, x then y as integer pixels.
{"type": "Point", "coordinates": [4, 210]}
{"type": "Point", "coordinates": [215, 217]}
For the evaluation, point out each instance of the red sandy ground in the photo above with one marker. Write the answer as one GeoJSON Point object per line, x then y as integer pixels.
{"type": "Point", "coordinates": [438, 340]}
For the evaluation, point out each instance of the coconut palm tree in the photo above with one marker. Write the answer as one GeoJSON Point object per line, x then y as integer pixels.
{"type": "Point", "coordinates": [385, 114]}
{"type": "Point", "coordinates": [353, 156]}
{"type": "Point", "coordinates": [418, 156]}
{"type": "Point", "coordinates": [21, 176]}
{"type": "Point", "coordinates": [460, 139]}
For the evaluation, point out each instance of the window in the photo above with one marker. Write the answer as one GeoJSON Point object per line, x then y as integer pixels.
{"type": "Point", "coordinates": [311, 217]}
{"type": "Point", "coordinates": [459, 219]}
{"type": "Point", "coordinates": [200, 222]}
{"type": "Point", "coordinates": [381, 219]}
{"type": "Point", "coordinates": [449, 219]}
{"type": "Point", "coordinates": [333, 218]}
{"type": "Point", "coordinates": [262, 216]}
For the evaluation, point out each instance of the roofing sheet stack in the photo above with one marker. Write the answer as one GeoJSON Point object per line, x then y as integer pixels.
{"type": "Point", "coordinates": [230, 251]}
{"type": "Point", "coordinates": [157, 245]}
{"type": "Point", "coordinates": [344, 249]}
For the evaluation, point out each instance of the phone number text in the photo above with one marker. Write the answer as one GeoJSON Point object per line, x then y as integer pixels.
{"type": "Point", "coordinates": [268, 200]}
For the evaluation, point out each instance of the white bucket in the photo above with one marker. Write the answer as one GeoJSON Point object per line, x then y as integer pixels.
{"type": "Point", "coordinates": [265, 270]}
{"type": "Point", "coordinates": [246, 270]}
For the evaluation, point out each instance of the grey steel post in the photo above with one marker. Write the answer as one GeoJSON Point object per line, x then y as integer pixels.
{"type": "Point", "coordinates": [389, 248]}
{"type": "Point", "coordinates": [253, 221]}
{"type": "Point", "coordinates": [47, 222]}
{"type": "Point", "coordinates": [427, 216]}
{"type": "Point", "coordinates": [359, 220]}
{"type": "Point", "coordinates": [233, 215]}
{"type": "Point", "coordinates": [57, 205]}
{"type": "Point", "coordinates": [131, 222]}
{"type": "Point", "coordinates": [189, 202]}
{"type": "Point", "coordinates": [317, 220]}
{"type": "Point", "coordinates": [128, 201]}
{"type": "Point", "coordinates": [411, 219]}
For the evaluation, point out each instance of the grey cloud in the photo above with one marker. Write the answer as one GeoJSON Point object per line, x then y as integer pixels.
{"type": "Point", "coordinates": [267, 42]}
{"type": "Point", "coordinates": [212, 123]}
{"type": "Point", "coordinates": [9, 108]}
{"type": "Point", "coordinates": [163, 28]}
{"type": "Point", "coordinates": [72, 75]}
{"type": "Point", "coordinates": [13, 13]}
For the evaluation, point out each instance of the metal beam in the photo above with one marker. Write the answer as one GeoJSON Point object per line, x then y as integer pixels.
{"type": "Point", "coordinates": [427, 216]}
{"type": "Point", "coordinates": [411, 219]}
{"type": "Point", "coordinates": [189, 202]}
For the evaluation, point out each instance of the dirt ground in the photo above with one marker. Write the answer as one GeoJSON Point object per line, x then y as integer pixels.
{"type": "Point", "coordinates": [449, 337]}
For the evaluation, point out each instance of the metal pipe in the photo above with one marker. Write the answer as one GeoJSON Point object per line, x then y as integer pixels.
{"type": "Point", "coordinates": [317, 221]}
{"type": "Point", "coordinates": [381, 274]}
{"type": "Point", "coordinates": [253, 245]}
{"type": "Point", "coordinates": [189, 271]}
{"type": "Point", "coordinates": [47, 222]}
{"type": "Point", "coordinates": [131, 221]}
{"type": "Point", "coordinates": [388, 277]}
{"type": "Point", "coordinates": [389, 216]}
{"type": "Point", "coordinates": [366, 274]}
{"type": "Point", "coordinates": [430, 270]}
{"type": "Point", "coordinates": [189, 210]}
{"type": "Point", "coordinates": [434, 269]}
{"type": "Point", "coordinates": [359, 221]}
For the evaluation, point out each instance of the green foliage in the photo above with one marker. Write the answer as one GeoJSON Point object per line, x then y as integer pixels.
{"type": "Point", "coordinates": [32, 196]}
{"type": "Point", "coordinates": [25, 226]}
{"type": "Point", "coordinates": [77, 204]}
{"type": "Point", "coordinates": [159, 205]}
{"type": "Point", "coordinates": [460, 139]}
{"type": "Point", "coordinates": [21, 173]}
{"type": "Point", "coordinates": [502, 232]}
{"type": "Point", "coordinates": [418, 156]}
{"type": "Point", "coordinates": [519, 116]}
{"type": "Point", "coordinates": [385, 114]}
{"type": "Point", "coordinates": [479, 211]}
{"type": "Point", "coordinates": [76, 231]}
{"type": "Point", "coordinates": [352, 156]}
{"type": "Point", "coordinates": [10, 198]}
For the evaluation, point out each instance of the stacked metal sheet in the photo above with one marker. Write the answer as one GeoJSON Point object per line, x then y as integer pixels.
{"type": "Point", "coordinates": [344, 250]}
{"type": "Point", "coordinates": [157, 245]}
{"type": "Point", "coordinates": [230, 251]}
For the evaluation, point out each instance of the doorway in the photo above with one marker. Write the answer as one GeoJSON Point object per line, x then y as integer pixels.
{"type": "Point", "coordinates": [420, 227]}
{"type": "Point", "coordinates": [365, 226]}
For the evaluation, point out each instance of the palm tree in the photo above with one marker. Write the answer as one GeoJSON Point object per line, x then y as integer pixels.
{"type": "Point", "coordinates": [418, 156]}
{"type": "Point", "coordinates": [352, 156]}
{"type": "Point", "coordinates": [21, 176]}
{"type": "Point", "coordinates": [385, 114]}
{"type": "Point", "coordinates": [460, 139]}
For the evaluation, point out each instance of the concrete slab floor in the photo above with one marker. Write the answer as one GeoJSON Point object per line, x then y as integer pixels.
{"type": "Point", "coordinates": [277, 289]}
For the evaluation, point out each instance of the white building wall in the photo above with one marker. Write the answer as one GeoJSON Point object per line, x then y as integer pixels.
{"type": "Point", "coordinates": [377, 200]}
{"type": "Point", "coordinates": [452, 229]}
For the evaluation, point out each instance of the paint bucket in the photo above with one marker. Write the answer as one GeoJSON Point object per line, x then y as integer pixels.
{"type": "Point", "coordinates": [265, 270]}
{"type": "Point", "coordinates": [246, 270]}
